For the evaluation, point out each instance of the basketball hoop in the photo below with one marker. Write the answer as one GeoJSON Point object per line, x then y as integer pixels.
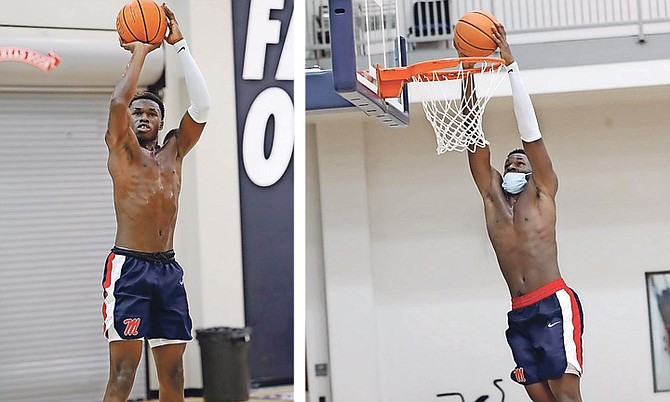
{"type": "Point", "coordinates": [454, 130]}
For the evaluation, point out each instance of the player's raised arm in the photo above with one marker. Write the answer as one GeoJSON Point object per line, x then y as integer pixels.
{"type": "Point", "coordinates": [193, 121]}
{"type": "Point", "coordinates": [544, 177]}
{"type": "Point", "coordinates": [119, 132]}
{"type": "Point", "coordinates": [480, 159]}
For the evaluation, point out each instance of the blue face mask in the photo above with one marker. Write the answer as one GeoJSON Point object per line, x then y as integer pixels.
{"type": "Point", "coordinates": [514, 182]}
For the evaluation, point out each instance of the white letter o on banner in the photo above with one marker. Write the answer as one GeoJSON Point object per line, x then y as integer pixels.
{"type": "Point", "coordinates": [266, 172]}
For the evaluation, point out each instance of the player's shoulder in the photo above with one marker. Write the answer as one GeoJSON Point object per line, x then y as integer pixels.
{"type": "Point", "coordinates": [171, 142]}
{"type": "Point", "coordinates": [170, 136]}
{"type": "Point", "coordinates": [118, 146]}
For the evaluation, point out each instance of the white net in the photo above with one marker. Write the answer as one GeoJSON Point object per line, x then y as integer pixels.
{"type": "Point", "coordinates": [457, 122]}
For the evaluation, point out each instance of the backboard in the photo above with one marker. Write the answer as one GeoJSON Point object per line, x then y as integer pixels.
{"type": "Point", "coordinates": [364, 34]}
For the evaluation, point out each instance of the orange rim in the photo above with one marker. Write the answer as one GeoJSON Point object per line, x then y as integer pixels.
{"type": "Point", "coordinates": [391, 80]}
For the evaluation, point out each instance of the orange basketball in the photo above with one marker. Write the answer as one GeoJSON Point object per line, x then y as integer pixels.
{"type": "Point", "coordinates": [473, 36]}
{"type": "Point", "coordinates": [142, 20]}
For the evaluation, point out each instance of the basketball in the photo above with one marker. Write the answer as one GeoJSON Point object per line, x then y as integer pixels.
{"type": "Point", "coordinates": [143, 21]}
{"type": "Point", "coordinates": [473, 36]}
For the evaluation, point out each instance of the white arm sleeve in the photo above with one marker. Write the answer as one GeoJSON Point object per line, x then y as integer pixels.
{"type": "Point", "coordinates": [195, 83]}
{"type": "Point", "coordinates": [526, 120]}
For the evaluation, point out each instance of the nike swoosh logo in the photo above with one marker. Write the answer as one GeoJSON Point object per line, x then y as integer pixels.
{"type": "Point", "coordinates": [553, 324]}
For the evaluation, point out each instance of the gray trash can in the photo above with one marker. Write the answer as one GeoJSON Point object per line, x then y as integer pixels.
{"type": "Point", "coordinates": [224, 352]}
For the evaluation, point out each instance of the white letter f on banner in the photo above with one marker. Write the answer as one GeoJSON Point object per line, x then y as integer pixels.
{"type": "Point", "coordinates": [261, 31]}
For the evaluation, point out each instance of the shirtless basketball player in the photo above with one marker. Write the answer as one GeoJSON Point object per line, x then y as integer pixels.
{"type": "Point", "coordinates": [143, 284]}
{"type": "Point", "coordinates": [545, 323]}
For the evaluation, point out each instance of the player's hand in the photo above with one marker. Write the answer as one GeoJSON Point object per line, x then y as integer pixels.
{"type": "Point", "coordinates": [175, 33]}
{"type": "Point", "coordinates": [500, 38]}
{"type": "Point", "coordinates": [136, 46]}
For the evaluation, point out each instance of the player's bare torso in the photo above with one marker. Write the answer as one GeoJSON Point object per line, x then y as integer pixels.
{"type": "Point", "coordinates": [146, 194]}
{"type": "Point", "coordinates": [522, 230]}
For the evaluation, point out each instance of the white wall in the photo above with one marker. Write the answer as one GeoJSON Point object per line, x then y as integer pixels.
{"type": "Point", "coordinates": [350, 298]}
{"type": "Point", "coordinates": [208, 237]}
{"type": "Point", "coordinates": [97, 14]}
{"type": "Point", "coordinates": [439, 299]}
{"type": "Point", "coordinates": [316, 324]}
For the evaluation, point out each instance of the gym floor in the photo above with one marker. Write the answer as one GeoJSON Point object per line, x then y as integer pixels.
{"type": "Point", "coordinates": [283, 393]}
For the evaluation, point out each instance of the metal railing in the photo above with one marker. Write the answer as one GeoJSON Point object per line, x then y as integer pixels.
{"type": "Point", "coordinates": [317, 32]}
{"type": "Point", "coordinates": [530, 21]}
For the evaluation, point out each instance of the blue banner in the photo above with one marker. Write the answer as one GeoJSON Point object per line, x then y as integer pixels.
{"type": "Point", "coordinates": [264, 94]}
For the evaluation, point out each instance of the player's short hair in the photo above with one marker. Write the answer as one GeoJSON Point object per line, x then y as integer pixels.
{"type": "Point", "coordinates": [516, 151]}
{"type": "Point", "coordinates": [152, 97]}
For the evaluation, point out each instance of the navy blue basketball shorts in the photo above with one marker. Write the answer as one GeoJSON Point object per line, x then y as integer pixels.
{"type": "Point", "coordinates": [144, 298]}
{"type": "Point", "coordinates": [545, 330]}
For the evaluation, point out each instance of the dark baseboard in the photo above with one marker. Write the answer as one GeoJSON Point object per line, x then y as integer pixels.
{"type": "Point", "coordinates": [188, 392]}
{"type": "Point", "coordinates": [197, 392]}
{"type": "Point", "coordinates": [270, 382]}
